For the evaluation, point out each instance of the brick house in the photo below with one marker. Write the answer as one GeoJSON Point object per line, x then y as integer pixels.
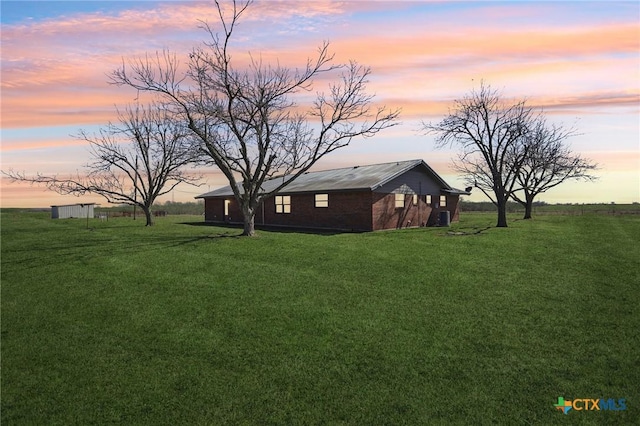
{"type": "Point", "coordinates": [361, 198]}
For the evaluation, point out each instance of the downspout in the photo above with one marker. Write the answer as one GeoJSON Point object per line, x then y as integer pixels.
{"type": "Point", "coordinates": [419, 205]}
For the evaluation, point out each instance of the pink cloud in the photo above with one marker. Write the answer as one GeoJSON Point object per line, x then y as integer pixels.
{"type": "Point", "coordinates": [25, 145]}
{"type": "Point", "coordinates": [45, 71]}
{"type": "Point", "coordinates": [54, 72]}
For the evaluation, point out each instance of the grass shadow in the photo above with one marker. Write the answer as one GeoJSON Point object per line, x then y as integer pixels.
{"type": "Point", "coordinates": [275, 228]}
{"type": "Point", "coordinates": [54, 252]}
{"type": "Point", "coordinates": [475, 231]}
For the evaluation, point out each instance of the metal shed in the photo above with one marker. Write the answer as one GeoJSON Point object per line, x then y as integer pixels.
{"type": "Point", "coordinates": [72, 211]}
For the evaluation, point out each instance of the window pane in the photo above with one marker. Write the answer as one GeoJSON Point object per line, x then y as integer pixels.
{"type": "Point", "coordinates": [443, 201]}
{"type": "Point", "coordinates": [415, 199]}
{"type": "Point", "coordinates": [429, 199]}
{"type": "Point", "coordinates": [399, 200]}
{"type": "Point", "coordinates": [322, 200]}
{"type": "Point", "coordinates": [283, 203]}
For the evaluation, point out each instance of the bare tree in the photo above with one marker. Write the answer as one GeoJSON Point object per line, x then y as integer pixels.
{"type": "Point", "coordinates": [133, 162]}
{"type": "Point", "coordinates": [489, 131]}
{"type": "Point", "coordinates": [246, 119]}
{"type": "Point", "coordinates": [548, 163]}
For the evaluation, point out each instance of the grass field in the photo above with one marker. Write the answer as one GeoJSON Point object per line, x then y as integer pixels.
{"type": "Point", "coordinates": [186, 324]}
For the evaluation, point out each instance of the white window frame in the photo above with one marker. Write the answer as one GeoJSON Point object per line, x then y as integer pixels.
{"type": "Point", "coordinates": [427, 199]}
{"type": "Point", "coordinates": [283, 204]}
{"type": "Point", "coordinates": [321, 200]}
{"type": "Point", "coordinates": [399, 201]}
{"type": "Point", "coordinates": [443, 201]}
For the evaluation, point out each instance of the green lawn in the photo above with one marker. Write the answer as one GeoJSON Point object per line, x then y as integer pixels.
{"type": "Point", "coordinates": [184, 324]}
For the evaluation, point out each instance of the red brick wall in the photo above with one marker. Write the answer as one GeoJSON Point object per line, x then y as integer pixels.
{"type": "Point", "coordinates": [358, 211]}
{"type": "Point", "coordinates": [347, 210]}
{"type": "Point", "coordinates": [387, 216]}
{"type": "Point", "coordinates": [453, 205]}
{"type": "Point", "coordinates": [214, 210]}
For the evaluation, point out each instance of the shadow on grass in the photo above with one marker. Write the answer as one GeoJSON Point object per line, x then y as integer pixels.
{"type": "Point", "coordinates": [209, 224]}
{"type": "Point", "coordinates": [280, 229]}
{"type": "Point", "coordinates": [474, 231]}
{"type": "Point", "coordinates": [59, 252]}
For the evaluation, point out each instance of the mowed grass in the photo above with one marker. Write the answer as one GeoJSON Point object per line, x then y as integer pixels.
{"type": "Point", "coordinates": [184, 324]}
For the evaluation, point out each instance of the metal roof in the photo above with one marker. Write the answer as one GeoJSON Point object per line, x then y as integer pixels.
{"type": "Point", "coordinates": [76, 204]}
{"type": "Point", "coordinates": [367, 177]}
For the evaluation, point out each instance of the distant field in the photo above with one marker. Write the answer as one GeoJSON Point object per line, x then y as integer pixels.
{"type": "Point", "coordinates": [189, 324]}
{"type": "Point", "coordinates": [567, 209]}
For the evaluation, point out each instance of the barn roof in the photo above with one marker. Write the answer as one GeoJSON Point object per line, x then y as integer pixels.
{"type": "Point", "coordinates": [368, 177]}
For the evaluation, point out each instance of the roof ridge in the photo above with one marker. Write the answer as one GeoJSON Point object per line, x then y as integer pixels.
{"type": "Point", "coordinates": [354, 167]}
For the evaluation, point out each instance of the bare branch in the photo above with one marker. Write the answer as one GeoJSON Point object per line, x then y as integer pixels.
{"type": "Point", "coordinates": [548, 163]}
{"type": "Point", "coordinates": [247, 120]}
{"type": "Point", "coordinates": [489, 131]}
{"type": "Point", "coordinates": [132, 162]}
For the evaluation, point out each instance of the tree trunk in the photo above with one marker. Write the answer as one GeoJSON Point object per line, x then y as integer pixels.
{"type": "Point", "coordinates": [502, 211]}
{"type": "Point", "coordinates": [528, 207]}
{"type": "Point", "coordinates": [502, 216]}
{"type": "Point", "coordinates": [249, 221]}
{"type": "Point", "coordinates": [527, 210]}
{"type": "Point", "coordinates": [148, 216]}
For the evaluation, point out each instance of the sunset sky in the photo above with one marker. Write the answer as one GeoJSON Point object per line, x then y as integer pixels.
{"type": "Point", "coordinates": [578, 60]}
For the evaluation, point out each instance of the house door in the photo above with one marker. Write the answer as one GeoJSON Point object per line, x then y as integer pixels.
{"type": "Point", "coordinates": [226, 209]}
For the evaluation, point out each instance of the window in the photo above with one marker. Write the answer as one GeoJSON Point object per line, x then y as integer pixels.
{"type": "Point", "coordinates": [443, 201]}
{"type": "Point", "coordinates": [428, 199]}
{"type": "Point", "coordinates": [399, 201]}
{"type": "Point", "coordinates": [322, 200]}
{"type": "Point", "coordinates": [283, 204]}
{"type": "Point", "coordinates": [415, 199]}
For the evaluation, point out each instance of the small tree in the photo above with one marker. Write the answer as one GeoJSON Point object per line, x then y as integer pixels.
{"type": "Point", "coordinates": [548, 163]}
{"type": "Point", "coordinates": [133, 162]}
{"type": "Point", "coordinates": [489, 131]}
{"type": "Point", "coordinates": [246, 119]}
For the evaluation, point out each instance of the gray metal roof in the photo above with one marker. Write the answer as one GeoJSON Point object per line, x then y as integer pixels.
{"type": "Point", "coordinates": [345, 179]}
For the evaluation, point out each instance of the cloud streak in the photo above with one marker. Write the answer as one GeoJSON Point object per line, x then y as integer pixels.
{"type": "Point", "coordinates": [43, 70]}
{"type": "Point", "coordinates": [570, 59]}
